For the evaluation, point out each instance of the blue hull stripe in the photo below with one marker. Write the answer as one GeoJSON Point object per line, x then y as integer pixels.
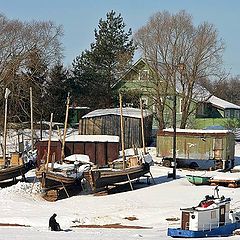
{"type": "Point", "coordinates": [222, 231]}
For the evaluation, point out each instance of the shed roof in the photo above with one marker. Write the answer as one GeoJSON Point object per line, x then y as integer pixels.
{"type": "Point", "coordinates": [220, 103]}
{"type": "Point", "coordinates": [92, 138]}
{"type": "Point", "coordinates": [200, 131]}
{"type": "Point", "coordinates": [127, 112]}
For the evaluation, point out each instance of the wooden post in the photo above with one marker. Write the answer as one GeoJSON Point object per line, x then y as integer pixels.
{"type": "Point", "coordinates": [49, 141]}
{"type": "Point", "coordinates": [122, 130]}
{"type": "Point", "coordinates": [7, 92]}
{"type": "Point", "coordinates": [142, 127]}
{"type": "Point", "coordinates": [65, 128]}
{"type": "Point", "coordinates": [31, 107]}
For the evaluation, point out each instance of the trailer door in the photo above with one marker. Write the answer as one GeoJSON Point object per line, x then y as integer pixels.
{"type": "Point", "coordinates": [218, 148]}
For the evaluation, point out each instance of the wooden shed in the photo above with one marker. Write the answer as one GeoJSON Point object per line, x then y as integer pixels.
{"type": "Point", "coordinates": [107, 122]}
{"type": "Point", "coordinates": [101, 149]}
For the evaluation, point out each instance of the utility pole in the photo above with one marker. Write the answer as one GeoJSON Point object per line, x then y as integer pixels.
{"type": "Point", "coordinates": [7, 92]}
{"type": "Point", "coordinates": [180, 68]}
{"type": "Point", "coordinates": [174, 127]}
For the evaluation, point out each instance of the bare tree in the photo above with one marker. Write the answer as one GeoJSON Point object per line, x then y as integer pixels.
{"type": "Point", "coordinates": [24, 48]}
{"type": "Point", "coordinates": [180, 54]}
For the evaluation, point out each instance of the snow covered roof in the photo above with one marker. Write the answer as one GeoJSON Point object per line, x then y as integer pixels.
{"type": "Point", "coordinates": [201, 131]}
{"type": "Point", "coordinates": [92, 138]}
{"type": "Point", "coordinates": [127, 112]}
{"type": "Point", "coordinates": [220, 103]}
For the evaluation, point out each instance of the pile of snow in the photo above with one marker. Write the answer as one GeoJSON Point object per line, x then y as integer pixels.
{"type": "Point", "coordinates": [150, 205]}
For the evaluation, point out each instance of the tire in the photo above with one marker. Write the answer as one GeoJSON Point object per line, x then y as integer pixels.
{"type": "Point", "coordinates": [167, 163]}
{"type": "Point", "coordinates": [194, 165]}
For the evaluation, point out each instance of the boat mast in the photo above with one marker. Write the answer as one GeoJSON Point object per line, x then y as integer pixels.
{"type": "Point", "coordinates": [31, 106]}
{"type": "Point", "coordinates": [7, 92]}
{"type": "Point", "coordinates": [122, 130]}
{"type": "Point", "coordinates": [49, 141]}
{"type": "Point", "coordinates": [142, 127]}
{"type": "Point", "coordinates": [65, 128]}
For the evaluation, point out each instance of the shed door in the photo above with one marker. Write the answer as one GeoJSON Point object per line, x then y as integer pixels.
{"type": "Point", "coordinates": [222, 215]}
{"type": "Point", "coordinates": [185, 220]}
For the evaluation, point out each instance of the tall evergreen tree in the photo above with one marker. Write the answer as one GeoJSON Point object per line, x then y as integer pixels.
{"type": "Point", "coordinates": [98, 69]}
{"type": "Point", "coordinates": [57, 91]}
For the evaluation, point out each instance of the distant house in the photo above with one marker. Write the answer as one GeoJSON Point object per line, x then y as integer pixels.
{"type": "Point", "coordinates": [107, 122]}
{"type": "Point", "coordinates": [215, 107]}
{"type": "Point", "coordinates": [207, 106]}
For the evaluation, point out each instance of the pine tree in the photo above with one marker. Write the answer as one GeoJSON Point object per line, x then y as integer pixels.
{"type": "Point", "coordinates": [57, 91]}
{"type": "Point", "coordinates": [98, 69]}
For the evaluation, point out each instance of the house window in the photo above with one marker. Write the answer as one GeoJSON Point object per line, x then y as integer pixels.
{"type": "Point", "coordinates": [200, 109]}
{"type": "Point", "coordinates": [236, 113]}
{"type": "Point", "coordinates": [144, 74]}
{"type": "Point", "coordinates": [227, 114]}
{"type": "Point", "coordinates": [154, 108]}
{"type": "Point", "coordinates": [213, 214]}
{"type": "Point", "coordinates": [144, 101]}
{"type": "Point", "coordinates": [180, 105]}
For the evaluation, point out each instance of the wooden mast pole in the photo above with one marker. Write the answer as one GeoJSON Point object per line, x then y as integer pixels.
{"type": "Point", "coordinates": [31, 107]}
{"type": "Point", "coordinates": [122, 130]}
{"type": "Point", "coordinates": [142, 127]}
{"type": "Point", "coordinates": [49, 141]}
{"type": "Point", "coordinates": [65, 128]}
{"type": "Point", "coordinates": [7, 92]}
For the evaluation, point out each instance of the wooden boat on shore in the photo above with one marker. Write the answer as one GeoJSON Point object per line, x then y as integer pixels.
{"type": "Point", "coordinates": [66, 179]}
{"type": "Point", "coordinates": [12, 172]}
{"type": "Point", "coordinates": [104, 177]}
{"type": "Point", "coordinates": [198, 180]}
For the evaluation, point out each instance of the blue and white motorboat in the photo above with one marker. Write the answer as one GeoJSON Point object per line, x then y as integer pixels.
{"type": "Point", "coordinates": [211, 218]}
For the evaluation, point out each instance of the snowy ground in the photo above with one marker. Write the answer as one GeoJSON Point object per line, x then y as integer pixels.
{"type": "Point", "coordinates": [150, 205]}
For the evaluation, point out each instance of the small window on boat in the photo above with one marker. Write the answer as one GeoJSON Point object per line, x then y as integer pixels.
{"type": "Point", "coordinates": [193, 216]}
{"type": "Point", "coordinates": [213, 214]}
{"type": "Point", "coordinates": [227, 207]}
{"type": "Point", "coordinates": [222, 211]}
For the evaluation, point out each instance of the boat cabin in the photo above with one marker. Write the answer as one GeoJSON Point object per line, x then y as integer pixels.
{"type": "Point", "coordinates": [210, 213]}
{"type": "Point", "coordinates": [212, 217]}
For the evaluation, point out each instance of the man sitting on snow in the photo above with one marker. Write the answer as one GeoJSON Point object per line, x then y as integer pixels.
{"type": "Point", "coordinates": [53, 224]}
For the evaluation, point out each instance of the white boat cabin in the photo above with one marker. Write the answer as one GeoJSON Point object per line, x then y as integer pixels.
{"type": "Point", "coordinates": [209, 214]}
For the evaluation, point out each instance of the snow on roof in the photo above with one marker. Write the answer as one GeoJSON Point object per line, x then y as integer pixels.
{"type": "Point", "coordinates": [203, 131]}
{"type": "Point", "coordinates": [92, 138]}
{"type": "Point", "coordinates": [220, 103]}
{"type": "Point", "coordinates": [127, 112]}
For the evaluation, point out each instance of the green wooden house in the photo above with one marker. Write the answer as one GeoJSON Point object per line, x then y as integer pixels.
{"type": "Point", "coordinates": [209, 110]}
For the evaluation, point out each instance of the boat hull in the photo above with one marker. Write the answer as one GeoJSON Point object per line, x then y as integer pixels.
{"type": "Point", "coordinates": [52, 180]}
{"type": "Point", "coordinates": [222, 231]}
{"type": "Point", "coordinates": [103, 178]}
{"type": "Point", "coordinates": [12, 172]}
{"type": "Point", "coordinates": [198, 180]}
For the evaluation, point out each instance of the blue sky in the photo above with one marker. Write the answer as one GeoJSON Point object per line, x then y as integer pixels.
{"type": "Point", "coordinates": [79, 18]}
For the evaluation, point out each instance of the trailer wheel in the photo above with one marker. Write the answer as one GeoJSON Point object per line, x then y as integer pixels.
{"type": "Point", "coordinates": [194, 165]}
{"type": "Point", "coordinates": [167, 163]}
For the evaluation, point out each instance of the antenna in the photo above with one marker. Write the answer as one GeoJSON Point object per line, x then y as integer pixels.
{"type": "Point", "coordinates": [216, 191]}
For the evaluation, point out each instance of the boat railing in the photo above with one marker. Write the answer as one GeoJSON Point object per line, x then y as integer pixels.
{"type": "Point", "coordinates": [210, 226]}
